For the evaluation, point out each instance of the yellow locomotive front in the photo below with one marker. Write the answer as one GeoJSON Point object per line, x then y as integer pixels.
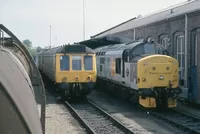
{"type": "Point", "coordinates": [157, 78]}
{"type": "Point", "coordinates": [76, 71]}
{"type": "Point", "coordinates": [75, 68]}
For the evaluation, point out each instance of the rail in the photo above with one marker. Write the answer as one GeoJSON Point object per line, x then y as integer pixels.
{"type": "Point", "coordinates": [179, 119]}
{"type": "Point", "coordinates": [96, 120]}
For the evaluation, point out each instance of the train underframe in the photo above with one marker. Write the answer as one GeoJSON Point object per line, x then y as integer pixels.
{"type": "Point", "coordinates": [75, 90]}
{"type": "Point", "coordinates": [159, 98]}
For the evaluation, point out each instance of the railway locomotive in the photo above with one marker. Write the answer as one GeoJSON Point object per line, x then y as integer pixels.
{"type": "Point", "coordinates": [177, 28]}
{"type": "Point", "coordinates": [71, 67]}
{"type": "Point", "coordinates": [141, 70]}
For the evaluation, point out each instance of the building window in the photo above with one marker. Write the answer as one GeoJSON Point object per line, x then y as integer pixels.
{"type": "Point", "coordinates": [197, 41]}
{"type": "Point", "coordinates": [76, 63]}
{"type": "Point", "coordinates": [118, 65]}
{"type": "Point", "coordinates": [64, 62]}
{"type": "Point", "coordinates": [88, 64]}
{"type": "Point", "coordinates": [149, 38]}
{"type": "Point", "coordinates": [181, 57]}
{"type": "Point", "coordinates": [164, 42]}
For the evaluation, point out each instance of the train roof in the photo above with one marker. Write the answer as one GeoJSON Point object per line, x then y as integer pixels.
{"type": "Point", "coordinates": [70, 49]}
{"type": "Point", "coordinates": [118, 46]}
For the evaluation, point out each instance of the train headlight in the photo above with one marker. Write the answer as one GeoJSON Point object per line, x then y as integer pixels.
{"type": "Point", "coordinates": [64, 79]}
{"type": "Point", "coordinates": [88, 78]}
{"type": "Point", "coordinates": [161, 77]}
{"type": "Point", "coordinates": [143, 79]}
{"type": "Point", "coordinates": [76, 78]}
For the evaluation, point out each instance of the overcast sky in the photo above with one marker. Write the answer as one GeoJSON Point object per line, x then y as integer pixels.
{"type": "Point", "coordinates": [30, 19]}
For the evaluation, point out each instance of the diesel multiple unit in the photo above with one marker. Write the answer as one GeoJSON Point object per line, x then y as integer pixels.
{"type": "Point", "coordinates": [141, 71]}
{"type": "Point", "coordinates": [71, 67]}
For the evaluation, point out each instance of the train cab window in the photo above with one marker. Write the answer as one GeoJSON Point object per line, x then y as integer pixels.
{"type": "Point", "coordinates": [10, 118]}
{"type": "Point", "coordinates": [76, 63]}
{"type": "Point", "coordinates": [149, 48]}
{"type": "Point", "coordinates": [118, 65]}
{"type": "Point", "coordinates": [88, 64]}
{"type": "Point", "coordinates": [138, 50]}
{"type": "Point", "coordinates": [64, 62]}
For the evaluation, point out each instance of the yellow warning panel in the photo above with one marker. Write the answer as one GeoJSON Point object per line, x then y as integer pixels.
{"type": "Point", "coordinates": [148, 102]}
{"type": "Point", "coordinates": [171, 102]}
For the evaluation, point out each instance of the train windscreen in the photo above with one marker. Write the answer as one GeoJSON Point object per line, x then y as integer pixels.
{"type": "Point", "coordinates": [146, 49]}
{"type": "Point", "coordinates": [88, 64]}
{"type": "Point", "coordinates": [151, 48]}
{"type": "Point", "coordinates": [76, 63]}
{"type": "Point", "coordinates": [64, 63]}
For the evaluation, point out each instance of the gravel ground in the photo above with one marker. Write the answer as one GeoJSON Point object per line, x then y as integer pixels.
{"type": "Point", "coordinates": [131, 116]}
{"type": "Point", "coordinates": [59, 120]}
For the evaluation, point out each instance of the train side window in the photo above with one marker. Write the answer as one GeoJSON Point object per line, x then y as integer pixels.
{"type": "Point", "coordinates": [64, 62]}
{"type": "Point", "coordinates": [118, 65]}
{"type": "Point", "coordinates": [88, 64]}
{"type": "Point", "coordinates": [76, 63]}
{"type": "Point", "coordinates": [10, 118]}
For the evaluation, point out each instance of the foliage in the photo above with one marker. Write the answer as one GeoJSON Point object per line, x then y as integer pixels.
{"type": "Point", "coordinates": [39, 49]}
{"type": "Point", "coordinates": [28, 44]}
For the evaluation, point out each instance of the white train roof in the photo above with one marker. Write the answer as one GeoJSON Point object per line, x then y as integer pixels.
{"type": "Point", "coordinates": [69, 49]}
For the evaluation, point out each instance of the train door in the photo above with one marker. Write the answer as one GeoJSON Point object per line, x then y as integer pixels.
{"type": "Point", "coordinates": [125, 67]}
{"type": "Point", "coordinates": [102, 66]}
{"type": "Point", "coordinates": [107, 70]}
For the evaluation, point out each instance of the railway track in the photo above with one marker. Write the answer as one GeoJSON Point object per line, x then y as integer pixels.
{"type": "Point", "coordinates": [96, 120]}
{"type": "Point", "coordinates": [179, 119]}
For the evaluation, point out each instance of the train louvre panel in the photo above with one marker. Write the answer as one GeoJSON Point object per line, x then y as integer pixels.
{"type": "Point", "coordinates": [142, 69]}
